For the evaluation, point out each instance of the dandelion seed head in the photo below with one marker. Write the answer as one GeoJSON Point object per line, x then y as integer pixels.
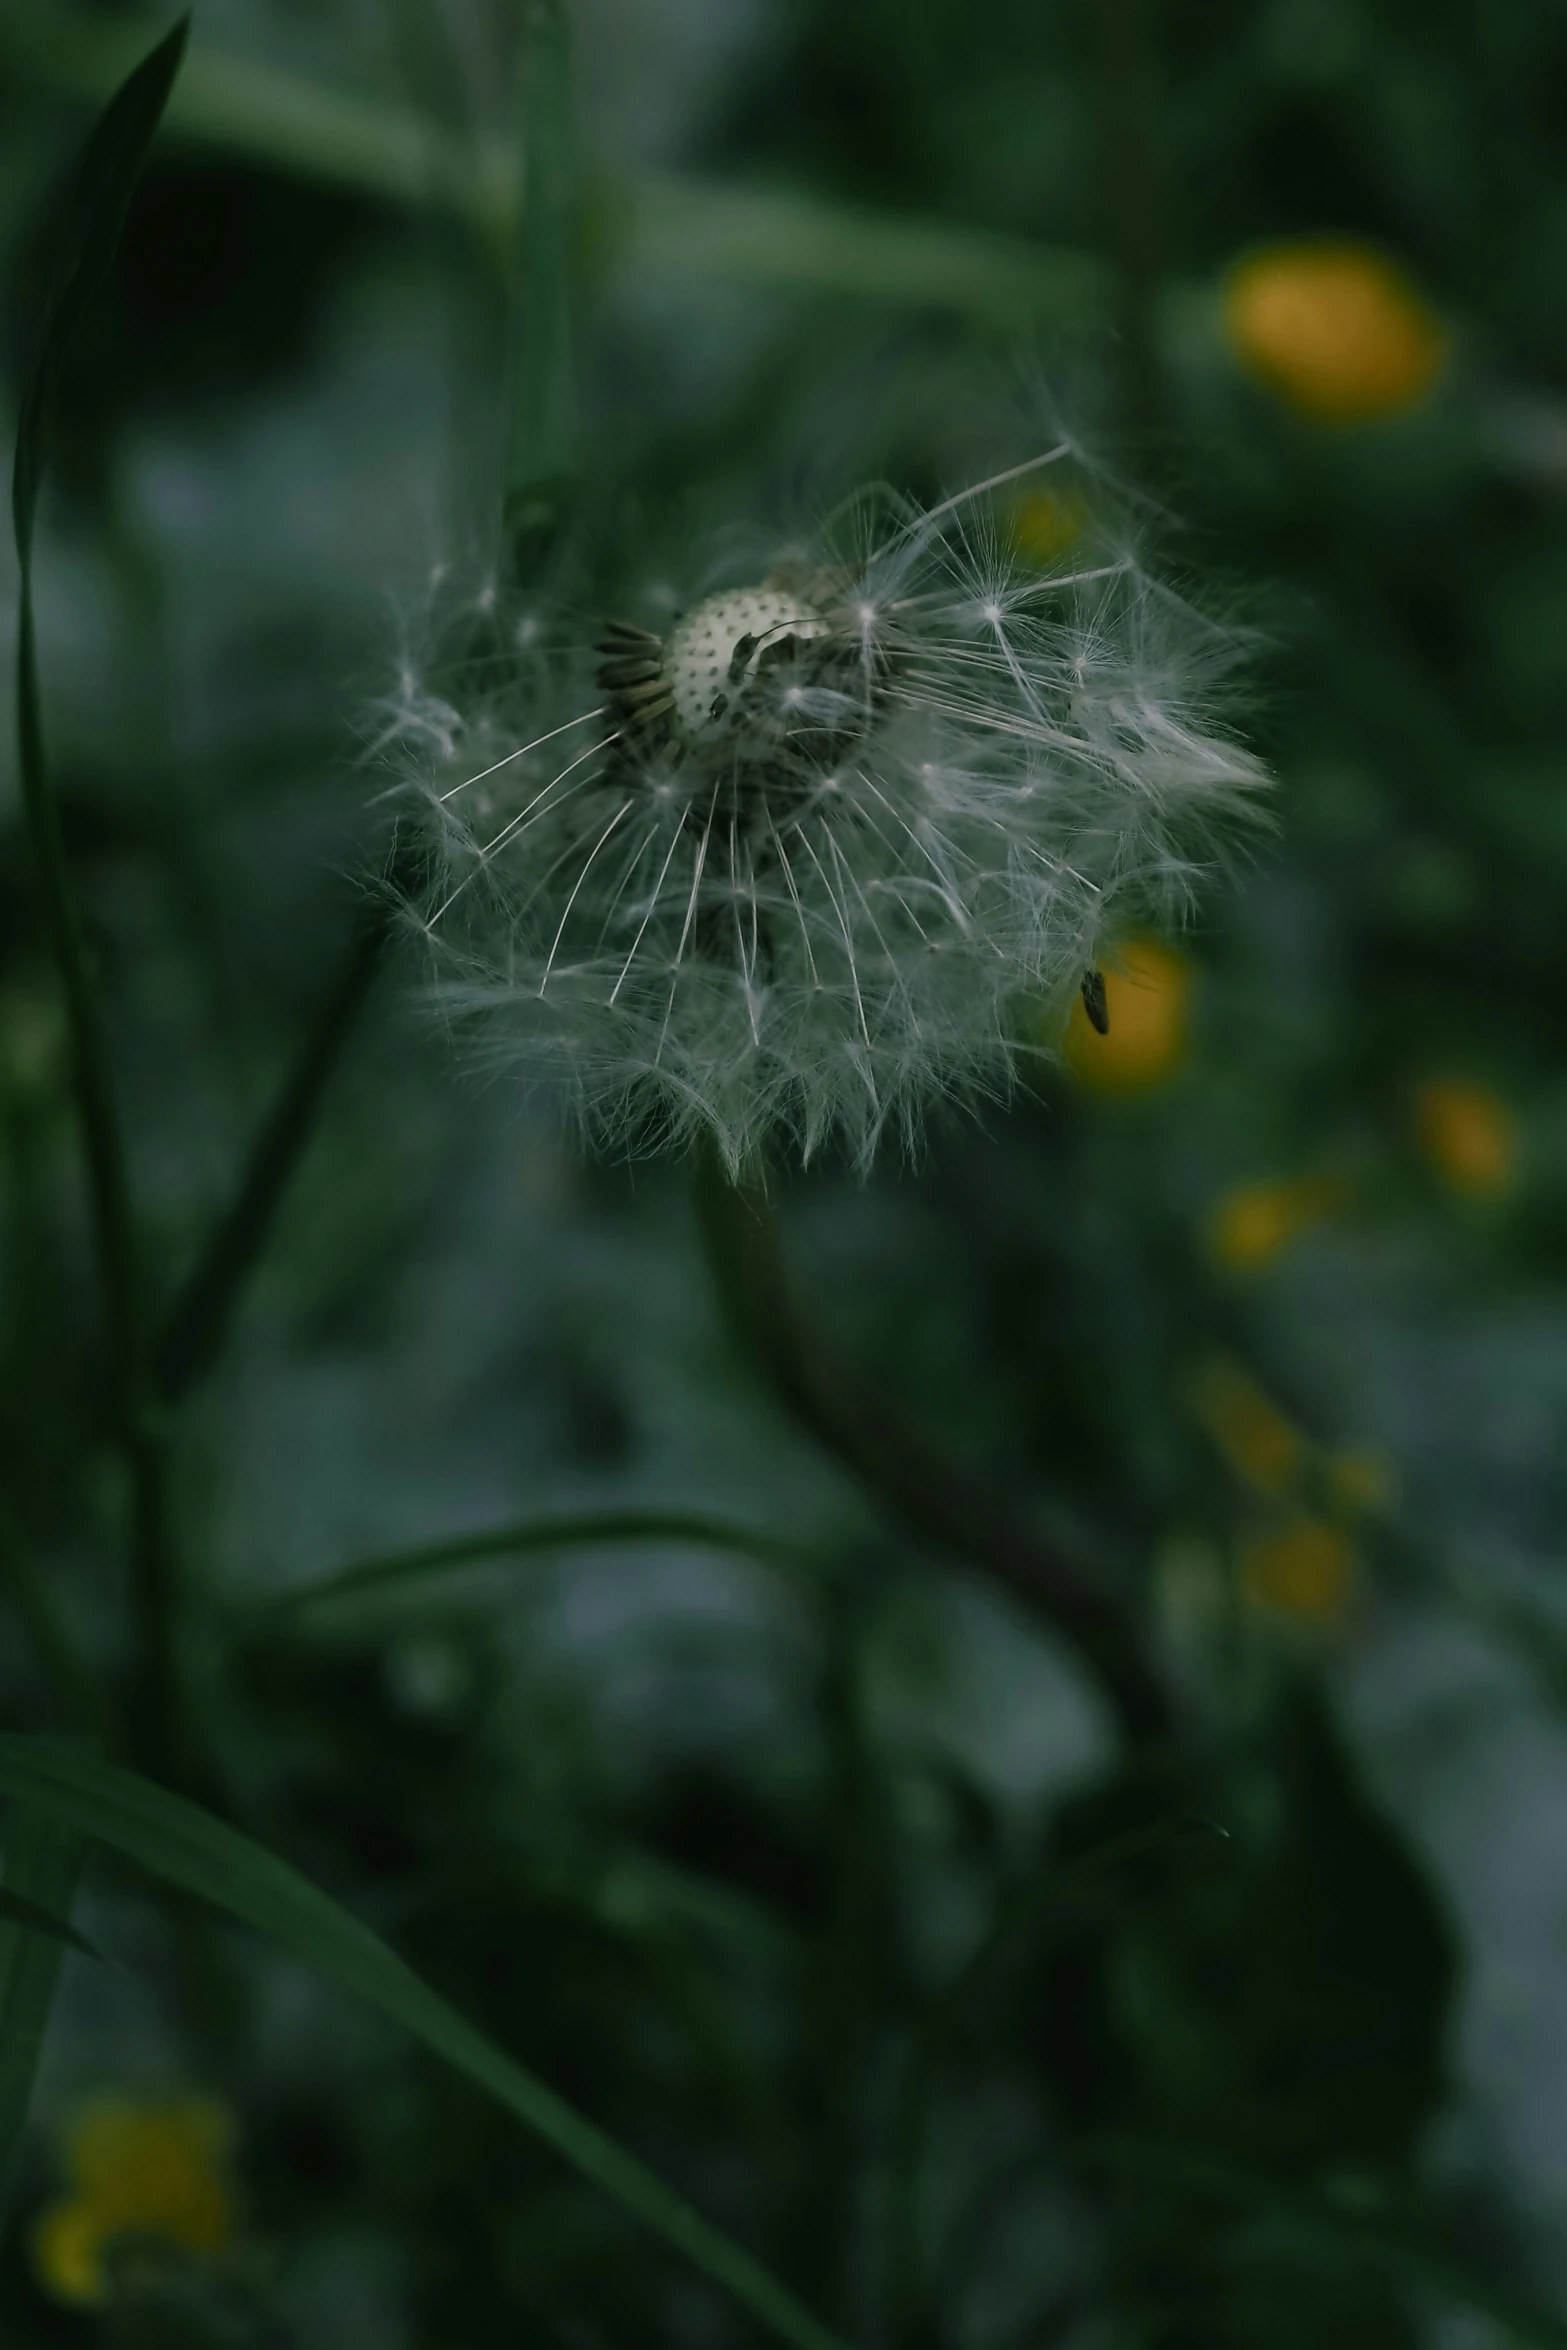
{"type": "Point", "coordinates": [713, 655]}
{"type": "Point", "coordinates": [828, 844]}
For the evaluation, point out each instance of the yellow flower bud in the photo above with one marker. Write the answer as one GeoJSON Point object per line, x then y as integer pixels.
{"type": "Point", "coordinates": [1253, 1225]}
{"type": "Point", "coordinates": [1469, 1135]}
{"type": "Point", "coordinates": [1335, 329]}
{"type": "Point", "coordinates": [1361, 1481]}
{"type": "Point", "coordinates": [1305, 1569]}
{"type": "Point", "coordinates": [1254, 1436]}
{"type": "Point", "coordinates": [1146, 992]}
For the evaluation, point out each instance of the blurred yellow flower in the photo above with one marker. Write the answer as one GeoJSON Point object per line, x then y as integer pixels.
{"type": "Point", "coordinates": [1045, 525]}
{"type": "Point", "coordinates": [1361, 1481]}
{"type": "Point", "coordinates": [1254, 1436]}
{"type": "Point", "coordinates": [1254, 1224]}
{"type": "Point", "coordinates": [1335, 329]}
{"type": "Point", "coordinates": [1305, 1568]}
{"type": "Point", "coordinates": [154, 2172]}
{"type": "Point", "coordinates": [1469, 1135]}
{"type": "Point", "coordinates": [1146, 991]}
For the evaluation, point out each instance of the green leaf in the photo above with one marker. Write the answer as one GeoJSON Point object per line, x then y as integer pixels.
{"type": "Point", "coordinates": [190, 1850]}
{"type": "Point", "coordinates": [42, 1859]}
{"type": "Point", "coordinates": [529, 1538]}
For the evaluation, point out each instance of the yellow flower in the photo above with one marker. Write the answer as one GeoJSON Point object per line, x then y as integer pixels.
{"type": "Point", "coordinates": [1469, 1135]}
{"type": "Point", "coordinates": [1305, 1568]}
{"type": "Point", "coordinates": [1361, 1481]}
{"type": "Point", "coordinates": [1254, 1224]}
{"type": "Point", "coordinates": [1146, 991]}
{"type": "Point", "coordinates": [1045, 525]}
{"type": "Point", "coordinates": [154, 2172]}
{"type": "Point", "coordinates": [1254, 1436]}
{"type": "Point", "coordinates": [1335, 329]}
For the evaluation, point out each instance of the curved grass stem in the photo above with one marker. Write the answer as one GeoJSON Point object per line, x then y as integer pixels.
{"type": "Point", "coordinates": [138, 1431]}
{"type": "Point", "coordinates": [201, 1314]}
{"type": "Point", "coordinates": [89, 233]}
{"type": "Point", "coordinates": [78, 1701]}
{"type": "Point", "coordinates": [939, 1500]}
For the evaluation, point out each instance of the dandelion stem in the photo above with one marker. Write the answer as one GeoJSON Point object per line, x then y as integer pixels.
{"type": "Point", "coordinates": [938, 1499]}
{"type": "Point", "coordinates": [200, 1317]}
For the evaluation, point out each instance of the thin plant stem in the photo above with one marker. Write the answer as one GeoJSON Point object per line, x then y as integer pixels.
{"type": "Point", "coordinates": [107, 175]}
{"type": "Point", "coordinates": [41, 1864]}
{"type": "Point", "coordinates": [78, 1701]}
{"type": "Point", "coordinates": [937, 1499]}
{"type": "Point", "coordinates": [138, 1426]}
{"type": "Point", "coordinates": [542, 451]}
{"type": "Point", "coordinates": [844, 1986]}
{"type": "Point", "coordinates": [200, 1317]}
{"type": "Point", "coordinates": [91, 1083]}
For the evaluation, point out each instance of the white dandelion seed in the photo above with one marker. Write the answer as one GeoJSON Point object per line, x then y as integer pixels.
{"type": "Point", "coordinates": [788, 869]}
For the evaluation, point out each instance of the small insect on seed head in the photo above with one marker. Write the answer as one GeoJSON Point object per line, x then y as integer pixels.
{"type": "Point", "coordinates": [789, 867]}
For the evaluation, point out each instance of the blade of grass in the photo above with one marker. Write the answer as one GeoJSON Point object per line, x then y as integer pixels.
{"type": "Point", "coordinates": [543, 389]}
{"type": "Point", "coordinates": [530, 1538]}
{"type": "Point", "coordinates": [348, 138]}
{"type": "Point", "coordinates": [652, 220]}
{"type": "Point", "coordinates": [79, 1702]}
{"type": "Point", "coordinates": [188, 1849]}
{"type": "Point", "coordinates": [42, 1859]}
{"type": "Point", "coordinates": [17, 1909]}
{"type": "Point", "coordinates": [777, 236]}
{"type": "Point", "coordinates": [199, 1318]}
{"type": "Point", "coordinates": [106, 180]}
{"type": "Point", "coordinates": [100, 198]}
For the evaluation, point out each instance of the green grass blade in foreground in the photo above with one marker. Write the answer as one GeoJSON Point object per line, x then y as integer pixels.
{"type": "Point", "coordinates": [1335, 2230]}
{"type": "Point", "coordinates": [531, 1538]}
{"type": "Point", "coordinates": [185, 1847]}
{"type": "Point", "coordinates": [87, 240]}
{"type": "Point", "coordinates": [42, 1859]}
{"type": "Point", "coordinates": [105, 182]}
{"type": "Point", "coordinates": [106, 179]}
{"type": "Point", "coordinates": [199, 1319]}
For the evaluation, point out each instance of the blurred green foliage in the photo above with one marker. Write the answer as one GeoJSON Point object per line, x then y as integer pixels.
{"type": "Point", "coordinates": [816, 1872]}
